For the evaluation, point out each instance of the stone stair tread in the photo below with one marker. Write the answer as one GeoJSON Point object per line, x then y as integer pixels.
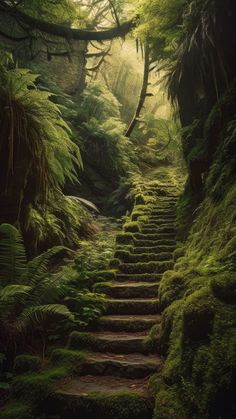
{"type": "Point", "coordinates": [134, 358]}
{"type": "Point", "coordinates": [129, 322]}
{"type": "Point", "coordinates": [155, 249]}
{"type": "Point", "coordinates": [89, 384]}
{"type": "Point", "coordinates": [118, 336]}
{"type": "Point", "coordinates": [134, 300]}
{"type": "Point", "coordinates": [122, 277]}
{"type": "Point", "coordinates": [132, 317]}
{"type": "Point", "coordinates": [133, 284]}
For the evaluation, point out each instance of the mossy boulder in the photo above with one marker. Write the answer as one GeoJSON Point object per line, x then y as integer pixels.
{"type": "Point", "coordinates": [224, 287]}
{"type": "Point", "coordinates": [172, 287]}
{"type": "Point", "coordinates": [27, 363]}
{"type": "Point", "coordinates": [73, 360]}
{"type": "Point", "coordinates": [36, 387]}
{"type": "Point", "coordinates": [168, 405]}
{"type": "Point", "coordinates": [198, 316]}
{"type": "Point", "coordinates": [132, 227]}
{"type": "Point", "coordinates": [120, 405]}
{"type": "Point", "coordinates": [124, 238]}
{"type": "Point", "coordinates": [17, 410]}
{"type": "Point", "coordinates": [115, 263]}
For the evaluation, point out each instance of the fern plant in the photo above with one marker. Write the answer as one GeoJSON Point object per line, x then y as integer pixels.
{"type": "Point", "coordinates": [28, 295]}
{"type": "Point", "coordinates": [37, 157]}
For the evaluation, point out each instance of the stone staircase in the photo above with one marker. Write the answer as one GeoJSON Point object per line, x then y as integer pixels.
{"type": "Point", "coordinates": [120, 356]}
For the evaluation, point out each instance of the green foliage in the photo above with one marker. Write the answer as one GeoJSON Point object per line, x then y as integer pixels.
{"type": "Point", "coordinates": [33, 177]}
{"type": "Point", "coordinates": [17, 410]}
{"type": "Point", "coordinates": [27, 363]}
{"type": "Point", "coordinates": [32, 299]}
{"type": "Point", "coordinates": [36, 387]}
{"type": "Point", "coordinates": [102, 132]}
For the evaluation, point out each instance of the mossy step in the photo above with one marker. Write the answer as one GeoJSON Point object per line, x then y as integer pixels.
{"type": "Point", "coordinates": [160, 220]}
{"type": "Point", "coordinates": [163, 212]}
{"type": "Point", "coordinates": [158, 230]}
{"type": "Point", "coordinates": [146, 277]}
{"type": "Point", "coordinates": [105, 397]}
{"type": "Point", "coordinates": [155, 243]}
{"type": "Point", "coordinates": [147, 257]}
{"type": "Point", "coordinates": [155, 249]}
{"type": "Point", "coordinates": [123, 365]}
{"type": "Point", "coordinates": [154, 237]}
{"type": "Point", "coordinates": [128, 289]}
{"type": "Point", "coordinates": [112, 342]}
{"type": "Point", "coordinates": [158, 225]}
{"type": "Point", "coordinates": [146, 267]}
{"type": "Point", "coordinates": [126, 256]}
{"type": "Point", "coordinates": [130, 323]}
{"type": "Point", "coordinates": [132, 306]}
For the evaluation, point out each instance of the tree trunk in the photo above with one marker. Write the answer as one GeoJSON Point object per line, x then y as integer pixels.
{"type": "Point", "coordinates": [143, 93]}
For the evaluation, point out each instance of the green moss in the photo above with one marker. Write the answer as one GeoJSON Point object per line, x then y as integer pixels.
{"type": "Point", "coordinates": [168, 405]}
{"type": "Point", "coordinates": [71, 359]}
{"type": "Point", "coordinates": [172, 287]}
{"type": "Point", "coordinates": [198, 316]}
{"type": "Point", "coordinates": [27, 363]}
{"type": "Point", "coordinates": [36, 387]}
{"type": "Point", "coordinates": [122, 254]}
{"type": "Point", "coordinates": [107, 275]}
{"type": "Point", "coordinates": [179, 252]}
{"type": "Point", "coordinates": [17, 410]}
{"type": "Point", "coordinates": [132, 227]}
{"type": "Point", "coordinates": [224, 287]}
{"type": "Point", "coordinates": [148, 267]}
{"type": "Point", "coordinates": [80, 340]}
{"type": "Point", "coordinates": [115, 263]}
{"type": "Point", "coordinates": [124, 238]}
{"type": "Point", "coordinates": [121, 405]}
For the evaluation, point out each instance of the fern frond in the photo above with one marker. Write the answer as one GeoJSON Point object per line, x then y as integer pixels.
{"type": "Point", "coordinates": [12, 254]}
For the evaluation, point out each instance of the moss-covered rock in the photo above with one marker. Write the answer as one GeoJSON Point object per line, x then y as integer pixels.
{"type": "Point", "coordinates": [73, 360]}
{"type": "Point", "coordinates": [132, 227]}
{"type": "Point", "coordinates": [17, 410]}
{"type": "Point", "coordinates": [36, 387]}
{"type": "Point", "coordinates": [168, 405]}
{"type": "Point", "coordinates": [224, 287]}
{"type": "Point", "coordinates": [198, 317]}
{"type": "Point", "coordinates": [172, 287]}
{"type": "Point", "coordinates": [120, 405]}
{"type": "Point", "coordinates": [27, 363]}
{"type": "Point", "coordinates": [124, 238]}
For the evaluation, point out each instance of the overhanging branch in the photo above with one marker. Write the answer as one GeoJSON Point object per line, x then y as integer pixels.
{"type": "Point", "coordinates": [66, 32]}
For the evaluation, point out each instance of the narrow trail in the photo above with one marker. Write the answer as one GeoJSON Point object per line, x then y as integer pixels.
{"type": "Point", "coordinates": [119, 356]}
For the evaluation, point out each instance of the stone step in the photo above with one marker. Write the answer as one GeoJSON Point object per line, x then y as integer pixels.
{"type": "Point", "coordinates": [145, 277]}
{"type": "Point", "coordinates": [155, 249]}
{"type": "Point", "coordinates": [128, 289]}
{"type": "Point", "coordinates": [157, 219]}
{"type": "Point", "coordinates": [155, 237]}
{"type": "Point", "coordinates": [159, 230]}
{"type": "Point", "coordinates": [132, 306]}
{"type": "Point", "coordinates": [101, 397]}
{"type": "Point", "coordinates": [158, 225]}
{"type": "Point", "coordinates": [155, 243]}
{"type": "Point", "coordinates": [148, 257]}
{"type": "Point", "coordinates": [124, 365]}
{"type": "Point", "coordinates": [130, 323]}
{"type": "Point", "coordinates": [112, 342]}
{"type": "Point", "coordinates": [163, 212]}
{"type": "Point", "coordinates": [145, 267]}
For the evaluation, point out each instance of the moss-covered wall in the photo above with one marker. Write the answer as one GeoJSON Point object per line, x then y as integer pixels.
{"type": "Point", "coordinates": [198, 332]}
